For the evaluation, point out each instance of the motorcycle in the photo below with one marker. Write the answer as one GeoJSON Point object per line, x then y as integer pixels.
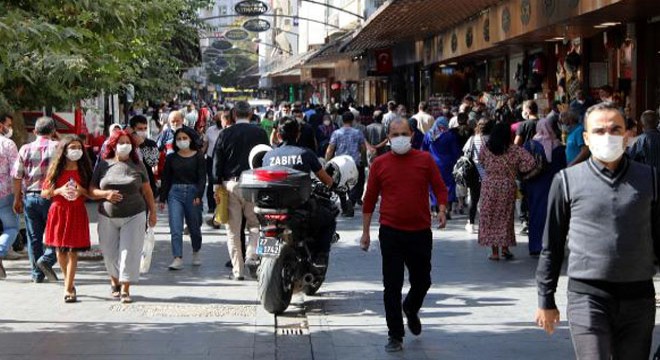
{"type": "Point", "coordinates": [294, 212]}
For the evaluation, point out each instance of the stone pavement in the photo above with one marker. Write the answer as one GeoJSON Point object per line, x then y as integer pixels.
{"type": "Point", "coordinates": [476, 309]}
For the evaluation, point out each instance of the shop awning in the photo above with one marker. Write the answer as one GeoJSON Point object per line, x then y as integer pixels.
{"type": "Point", "coordinates": [405, 20]}
{"type": "Point", "coordinates": [332, 52]}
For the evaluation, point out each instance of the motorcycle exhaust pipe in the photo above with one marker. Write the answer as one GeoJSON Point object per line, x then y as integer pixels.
{"type": "Point", "coordinates": [308, 279]}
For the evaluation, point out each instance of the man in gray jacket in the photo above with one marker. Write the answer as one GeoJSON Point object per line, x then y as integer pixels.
{"type": "Point", "coordinates": [608, 207]}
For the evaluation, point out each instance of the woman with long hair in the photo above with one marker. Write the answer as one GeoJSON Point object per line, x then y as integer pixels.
{"type": "Point", "coordinates": [121, 182]}
{"type": "Point", "coordinates": [501, 161]}
{"type": "Point", "coordinates": [184, 179]}
{"type": "Point", "coordinates": [67, 227]}
{"type": "Point", "coordinates": [472, 149]}
{"type": "Point", "coordinates": [546, 144]}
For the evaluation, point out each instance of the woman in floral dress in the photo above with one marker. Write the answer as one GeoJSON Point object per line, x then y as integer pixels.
{"type": "Point", "coordinates": [501, 161]}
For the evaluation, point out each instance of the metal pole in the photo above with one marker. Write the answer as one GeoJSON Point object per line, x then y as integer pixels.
{"type": "Point", "coordinates": [271, 15]}
{"type": "Point", "coordinates": [335, 8]}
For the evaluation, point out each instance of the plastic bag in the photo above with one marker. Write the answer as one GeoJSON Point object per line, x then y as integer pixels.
{"type": "Point", "coordinates": [147, 250]}
{"type": "Point", "coordinates": [221, 215]}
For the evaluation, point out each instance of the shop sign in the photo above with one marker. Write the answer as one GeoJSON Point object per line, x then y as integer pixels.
{"type": "Point", "coordinates": [506, 19]}
{"type": "Point", "coordinates": [251, 8]}
{"type": "Point", "coordinates": [236, 34]}
{"type": "Point", "coordinates": [256, 25]}
{"type": "Point", "coordinates": [222, 45]}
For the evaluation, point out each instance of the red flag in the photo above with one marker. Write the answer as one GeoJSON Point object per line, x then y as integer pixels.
{"type": "Point", "coordinates": [384, 61]}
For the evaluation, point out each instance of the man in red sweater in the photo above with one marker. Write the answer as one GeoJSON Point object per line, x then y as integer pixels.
{"type": "Point", "coordinates": [402, 178]}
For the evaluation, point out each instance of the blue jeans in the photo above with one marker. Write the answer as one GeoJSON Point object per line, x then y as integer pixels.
{"type": "Point", "coordinates": [9, 224]}
{"type": "Point", "coordinates": [36, 214]}
{"type": "Point", "coordinates": [180, 204]}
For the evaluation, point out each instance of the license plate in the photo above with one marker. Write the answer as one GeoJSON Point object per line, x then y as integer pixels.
{"type": "Point", "coordinates": [268, 246]}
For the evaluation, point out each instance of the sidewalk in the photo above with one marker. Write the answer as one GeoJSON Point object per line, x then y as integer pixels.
{"type": "Point", "coordinates": [475, 309]}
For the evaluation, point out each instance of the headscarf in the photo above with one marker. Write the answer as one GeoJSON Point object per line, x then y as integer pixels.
{"type": "Point", "coordinates": [547, 137]}
{"type": "Point", "coordinates": [440, 127]}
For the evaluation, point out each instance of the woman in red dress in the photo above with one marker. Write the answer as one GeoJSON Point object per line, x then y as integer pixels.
{"type": "Point", "coordinates": [67, 229]}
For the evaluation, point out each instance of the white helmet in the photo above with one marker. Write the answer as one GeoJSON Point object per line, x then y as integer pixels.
{"type": "Point", "coordinates": [343, 171]}
{"type": "Point", "coordinates": [257, 155]}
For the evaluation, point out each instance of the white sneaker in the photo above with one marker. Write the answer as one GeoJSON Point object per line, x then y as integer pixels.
{"type": "Point", "coordinates": [196, 260]}
{"type": "Point", "coordinates": [177, 264]}
{"type": "Point", "coordinates": [469, 228]}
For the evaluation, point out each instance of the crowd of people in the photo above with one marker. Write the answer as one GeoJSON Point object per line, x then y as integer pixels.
{"type": "Point", "coordinates": [469, 157]}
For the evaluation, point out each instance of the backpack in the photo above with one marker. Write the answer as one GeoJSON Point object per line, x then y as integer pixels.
{"type": "Point", "coordinates": [465, 171]}
{"type": "Point", "coordinates": [538, 153]}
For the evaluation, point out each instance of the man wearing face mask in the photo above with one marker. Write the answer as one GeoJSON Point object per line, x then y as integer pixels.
{"type": "Point", "coordinates": [212, 134]}
{"type": "Point", "coordinates": [608, 207]}
{"type": "Point", "coordinates": [405, 233]}
{"type": "Point", "coordinates": [166, 139]}
{"type": "Point", "coordinates": [527, 129]}
{"type": "Point", "coordinates": [9, 220]}
{"type": "Point", "coordinates": [149, 153]}
{"type": "Point", "coordinates": [307, 134]}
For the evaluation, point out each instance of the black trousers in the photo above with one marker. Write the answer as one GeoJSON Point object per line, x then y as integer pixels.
{"type": "Point", "coordinates": [607, 328]}
{"type": "Point", "coordinates": [356, 192]}
{"type": "Point", "coordinates": [475, 195]}
{"type": "Point", "coordinates": [210, 199]}
{"type": "Point", "coordinates": [411, 249]}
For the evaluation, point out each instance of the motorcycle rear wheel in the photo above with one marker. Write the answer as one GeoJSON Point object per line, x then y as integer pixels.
{"type": "Point", "coordinates": [274, 292]}
{"type": "Point", "coordinates": [313, 288]}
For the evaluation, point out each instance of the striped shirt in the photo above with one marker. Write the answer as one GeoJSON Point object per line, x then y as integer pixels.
{"type": "Point", "coordinates": [8, 155]}
{"type": "Point", "coordinates": [32, 163]}
{"type": "Point", "coordinates": [647, 148]}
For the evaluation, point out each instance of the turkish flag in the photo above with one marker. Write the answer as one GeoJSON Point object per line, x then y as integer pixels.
{"type": "Point", "coordinates": [384, 63]}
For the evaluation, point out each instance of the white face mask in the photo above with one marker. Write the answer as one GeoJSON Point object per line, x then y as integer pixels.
{"type": "Point", "coordinates": [9, 133]}
{"type": "Point", "coordinates": [606, 148]}
{"type": "Point", "coordinates": [183, 144]}
{"type": "Point", "coordinates": [326, 122]}
{"type": "Point", "coordinates": [124, 149]}
{"type": "Point", "coordinates": [401, 144]}
{"type": "Point", "coordinates": [142, 134]}
{"type": "Point", "coordinates": [74, 154]}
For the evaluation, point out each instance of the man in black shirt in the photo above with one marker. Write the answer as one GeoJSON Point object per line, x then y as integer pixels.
{"type": "Point", "coordinates": [527, 129]}
{"type": "Point", "coordinates": [607, 207]}
{"type": "Point", "coordinates": [231, 158]}
{"type": "Point", "coordinates": [307, 134]}
{"type": "Point", "coordinates": [148, 148]}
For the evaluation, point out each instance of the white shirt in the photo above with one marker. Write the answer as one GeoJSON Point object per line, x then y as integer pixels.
{"type": "Point", "coordinates": [212, 136]}
{"type": "Point", "coordinates": [424, 121]}
{"type": "Point", "coordinates": [388, 118]}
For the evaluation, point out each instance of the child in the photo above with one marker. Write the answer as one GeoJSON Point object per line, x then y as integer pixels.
{"type": "Point", "coordinates": [67, 229]}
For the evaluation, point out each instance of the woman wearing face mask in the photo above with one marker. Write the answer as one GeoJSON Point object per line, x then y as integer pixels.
{"type": "Point", "coordinates": [501, 161]}
{"type": "Point", "coordinates": [325, 131]}
{"type": "Point", "coordinates": [184, 179]}
{"type": "Point", "coordinates": [121, 182]}
{"type": "Point", "coordinates": [67, 229]}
